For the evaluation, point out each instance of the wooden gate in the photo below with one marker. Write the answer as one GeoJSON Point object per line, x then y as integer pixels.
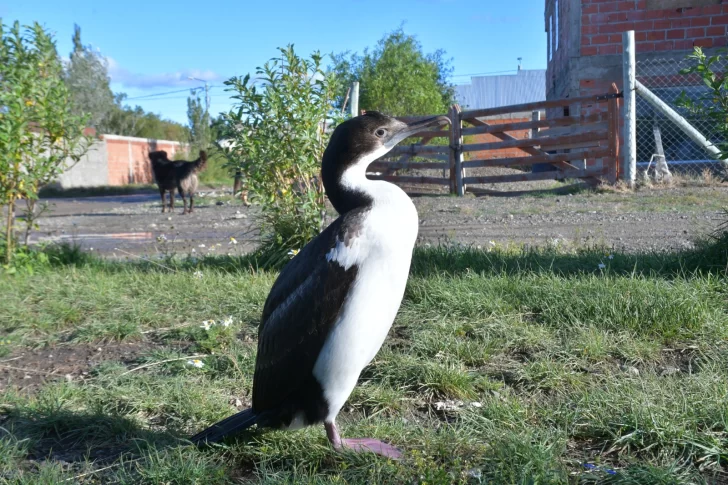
{"type": "Point", "coordinates": [590, 136]}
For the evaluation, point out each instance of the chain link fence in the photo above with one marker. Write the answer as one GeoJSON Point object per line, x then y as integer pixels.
{"type": "Point", "coordinates": [657, 136]}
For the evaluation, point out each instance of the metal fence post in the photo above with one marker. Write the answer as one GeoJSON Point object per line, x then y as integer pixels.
{"type": "Point", "coordinates": [629, 154]}
{"type": "Point", "coordinates": [679, 121]}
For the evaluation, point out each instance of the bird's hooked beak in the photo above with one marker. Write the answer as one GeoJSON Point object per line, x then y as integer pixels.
{"type": "Point", "coordinates": [415, 127]}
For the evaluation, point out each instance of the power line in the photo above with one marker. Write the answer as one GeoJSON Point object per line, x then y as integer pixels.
{"type": "Point", "coordinates": [171, 92]}
{"type": "Point", "coordinates": [164, 99]}
{"type": "Point", "coordinates": [160, 94]}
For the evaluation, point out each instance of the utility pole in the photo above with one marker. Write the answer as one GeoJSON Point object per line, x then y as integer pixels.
{"type": "Point", "coordinates": [355, 99]}
{"type": "Point", "coordinates": [207, 94]}
{"type": "Point", "coordinates": [206, 118]}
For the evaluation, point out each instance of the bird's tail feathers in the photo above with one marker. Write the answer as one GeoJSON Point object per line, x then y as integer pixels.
{"type": "Point", "coordinates": [227, 427]}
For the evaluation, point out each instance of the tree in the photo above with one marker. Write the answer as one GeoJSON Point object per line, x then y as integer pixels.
{"type": "Point", "coordinates": [277, 135]}
{"type": "Point", "coordinates": [87, 78]}
{"type": "Point", "coordinates": [127, 121]}
{"type": "Point", "coordinates": [397, 78]}
{"type": "Point", "coordinates": [39, 132]}
{"type": "Point", "coordinates": [199, 124]}
{"type": "Point", "coordinates": [88, 82]}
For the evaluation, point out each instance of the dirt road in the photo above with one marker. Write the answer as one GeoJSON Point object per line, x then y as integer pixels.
{"type": "Point", "coordinates": [121, 226]}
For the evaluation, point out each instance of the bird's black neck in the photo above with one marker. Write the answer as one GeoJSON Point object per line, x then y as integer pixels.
{"type": "Point", "coordinates": [343, 197]}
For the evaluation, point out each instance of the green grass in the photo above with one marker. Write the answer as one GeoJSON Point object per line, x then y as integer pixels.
{"type": "Point", "coordinates": [555, 371]}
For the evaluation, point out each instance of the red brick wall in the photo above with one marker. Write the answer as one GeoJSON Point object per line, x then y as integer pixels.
{"type": "Point", "coordinates": [488, 138]}
{"type": "Point", "coordinates": [603, 21]}
{"type": "Point", "coordinates": [119, 150]}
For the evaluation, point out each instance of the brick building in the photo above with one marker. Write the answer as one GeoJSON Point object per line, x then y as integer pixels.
{"type": "Point", "coordinates": [584, 52]}
{"type": "Point", "coordinates": [585, 37]}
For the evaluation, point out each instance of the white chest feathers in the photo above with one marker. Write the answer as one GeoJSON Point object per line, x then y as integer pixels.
{"type": "Point", "coordinates": [382, 253]}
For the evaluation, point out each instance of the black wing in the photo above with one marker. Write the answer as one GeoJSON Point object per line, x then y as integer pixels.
{"type": "Point", "coordinates": [298, 315]}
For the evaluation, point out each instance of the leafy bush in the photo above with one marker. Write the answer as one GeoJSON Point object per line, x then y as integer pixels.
{"type": "Point", "coordinates": [39, 133]}
{"type": "Point", "coordinates": [713, 105]}
{"type": "Point", "coordinates": [277, 133]}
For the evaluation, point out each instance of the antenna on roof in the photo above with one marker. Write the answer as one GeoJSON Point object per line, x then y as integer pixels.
{"type": "Point", "coordinates": [519, 63]}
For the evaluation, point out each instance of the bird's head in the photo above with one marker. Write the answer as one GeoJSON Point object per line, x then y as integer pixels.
{"type": "Point", "coordinates": [359, 141]}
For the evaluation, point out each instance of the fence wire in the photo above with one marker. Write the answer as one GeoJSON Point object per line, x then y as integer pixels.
{"type": "Point", "coordinates": [683, 156]}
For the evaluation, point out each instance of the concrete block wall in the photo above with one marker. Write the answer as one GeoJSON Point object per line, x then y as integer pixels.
{"type": "Point", "coordinates": [558, 16]}
{"type": "Point", "coordinates": [90, 171]}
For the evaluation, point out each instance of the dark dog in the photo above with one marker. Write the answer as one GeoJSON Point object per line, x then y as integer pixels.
{"type": "Point", "coordinates": [179, 174]}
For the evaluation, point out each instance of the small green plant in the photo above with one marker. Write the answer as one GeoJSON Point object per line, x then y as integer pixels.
{"type": "Point", "coordinates": [278, 132]}
{"type": "Point", "coordinates": [713, 104]}
{"type": "Point", "coordinates": [39, 134]}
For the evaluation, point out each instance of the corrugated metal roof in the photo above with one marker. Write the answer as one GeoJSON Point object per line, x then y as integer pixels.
{"type": "Point", "coordinates": [526, 86]}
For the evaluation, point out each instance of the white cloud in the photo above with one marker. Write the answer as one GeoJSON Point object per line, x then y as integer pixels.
{"type": "Point", "coordinates": [129, 79]}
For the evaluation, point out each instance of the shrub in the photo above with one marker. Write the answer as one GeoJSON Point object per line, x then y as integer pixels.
{"type": "Point", "coordinates": [277, 133]}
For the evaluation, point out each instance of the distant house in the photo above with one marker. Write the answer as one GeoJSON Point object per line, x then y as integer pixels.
{"type": "Point", "coordinates": [525, 86]}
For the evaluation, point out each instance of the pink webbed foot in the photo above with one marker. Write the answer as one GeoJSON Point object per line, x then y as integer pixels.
{"type": "Point", "coordinates": [371, 445]}
{"type": "Point", "coordinates": [360, 445]}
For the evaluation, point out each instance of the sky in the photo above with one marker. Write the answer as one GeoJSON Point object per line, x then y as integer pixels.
{"type": "Point", "coordinates": [154, 46]}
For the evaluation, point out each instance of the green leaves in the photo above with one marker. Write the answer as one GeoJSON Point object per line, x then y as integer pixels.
{"type": "Point", "coordinates": [39, 134]}
{"type": "Point", "coordinates": [278, 130]}
{"type": "Point", "coordinates": [713, 104]}
{"type": "Point", "coordinates": [398, 78]}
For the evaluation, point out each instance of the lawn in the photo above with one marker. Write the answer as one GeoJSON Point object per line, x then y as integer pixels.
{"type": "Point", "coordinates": [504, 366]}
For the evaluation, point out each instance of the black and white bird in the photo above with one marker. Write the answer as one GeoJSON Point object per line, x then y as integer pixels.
{"type": "Point", "coordinates": [333, 304]}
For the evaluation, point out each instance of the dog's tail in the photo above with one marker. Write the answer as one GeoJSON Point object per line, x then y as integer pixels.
{"type": "Point", "coordinates": [227, 427]}
{"type": "Point", "coordinates": [201, 161]}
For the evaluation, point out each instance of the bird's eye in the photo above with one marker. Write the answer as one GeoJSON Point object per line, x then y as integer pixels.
{"type": "Point", "coordinates": [380, 132]}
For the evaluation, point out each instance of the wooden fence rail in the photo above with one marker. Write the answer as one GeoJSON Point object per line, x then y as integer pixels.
{"type": "Point", "coordinates": [590, 136]}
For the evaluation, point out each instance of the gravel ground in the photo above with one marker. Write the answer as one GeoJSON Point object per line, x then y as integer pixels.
{"type": "Point", "coordinates": [648, 219]}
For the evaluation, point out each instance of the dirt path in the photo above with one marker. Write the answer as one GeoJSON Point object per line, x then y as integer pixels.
{"type": "Point", "coordinates": [121, 226]}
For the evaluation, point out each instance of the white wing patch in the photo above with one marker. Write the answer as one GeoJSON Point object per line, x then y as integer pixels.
{"type": "Point", "coordinates": [346, 256]}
